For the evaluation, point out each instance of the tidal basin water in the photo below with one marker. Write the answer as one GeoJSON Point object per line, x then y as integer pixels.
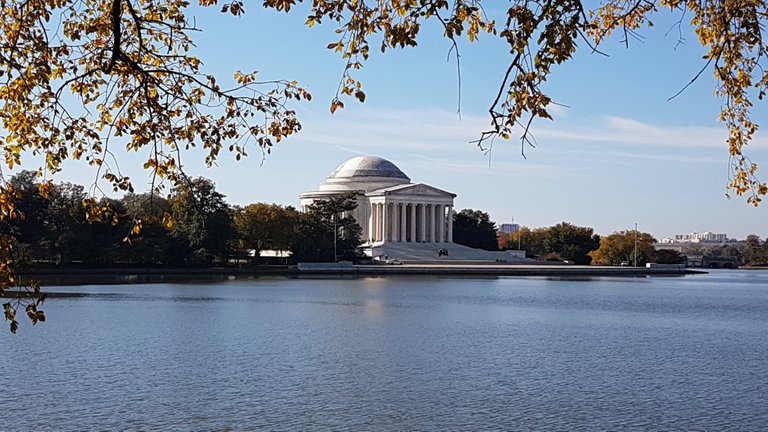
{"type": "Point", "coordinates": [397, 353]}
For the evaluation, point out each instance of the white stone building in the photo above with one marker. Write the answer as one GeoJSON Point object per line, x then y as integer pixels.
{"type": "Point", "coordinates": [389, 207]}
{"type": "Point", "coordinates": [509, 228]}
{"type": "Point", "coordinates": [400, 219]}
{"type": "Point", "coordinates": [707, 237]}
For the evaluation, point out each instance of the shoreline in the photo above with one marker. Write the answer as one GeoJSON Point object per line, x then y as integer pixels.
{"type": "Point", "coordinates": [112, 275]}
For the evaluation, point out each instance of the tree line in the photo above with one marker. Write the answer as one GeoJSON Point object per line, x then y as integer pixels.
{"type": "Point", "coordinates": [561, 242]}
{"type": "Point", "coordinates": [752, 252]}
{"type": "Point", "coordinates": [192, 226]}
{"type": "Point", "coordinates": [195, 226]}
{"type": "Point", "coordinates": [580, 245]}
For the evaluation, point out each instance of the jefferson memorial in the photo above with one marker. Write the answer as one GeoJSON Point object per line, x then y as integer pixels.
{"type": "Point", "coordinates": [400, 219]}
{"type": "Point", "coordinates": [395, 209]}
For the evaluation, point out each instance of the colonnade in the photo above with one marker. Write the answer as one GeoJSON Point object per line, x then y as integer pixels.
{"type": "Point", "coordinates": [410, 222]}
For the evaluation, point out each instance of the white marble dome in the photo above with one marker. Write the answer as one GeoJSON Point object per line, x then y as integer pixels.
{"type": "Point", "coordinates": [364, 173]}
{"type": "Point", "coordinates": [368, 166]}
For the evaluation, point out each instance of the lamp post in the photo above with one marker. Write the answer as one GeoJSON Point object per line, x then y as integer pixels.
{"type": "Point", "coordinates": [335, 239]}
{"type": "Point", "coordinates": [635, 244]}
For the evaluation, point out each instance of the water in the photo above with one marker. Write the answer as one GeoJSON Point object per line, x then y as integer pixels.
{"type": "Point", "coordinates": [385, 354]}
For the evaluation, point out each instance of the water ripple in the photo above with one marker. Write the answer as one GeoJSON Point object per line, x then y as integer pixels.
{"type": "Point", "coordinates": [420, 354]}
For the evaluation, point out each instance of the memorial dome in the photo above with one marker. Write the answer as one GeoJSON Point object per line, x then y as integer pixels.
{"type": "Point", "coordinates": [362, 174]}
{"type": "Point", "coordinates": [367, 166]}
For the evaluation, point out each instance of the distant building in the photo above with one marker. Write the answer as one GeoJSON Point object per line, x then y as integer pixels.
{"type": "Point", "coordinates": [509, 228]}
{"type": "Point", "coordinates": [705, 237]}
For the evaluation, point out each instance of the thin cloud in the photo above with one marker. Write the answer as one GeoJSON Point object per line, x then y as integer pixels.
{"type": "Point", "coordinates": [430, 130]}
{"type": "Point", "coordinates": [481, 167]}
{"type": "Point", "coordinates": [621, 130]}
{"type": "Point", "coordinates": [675, 159]}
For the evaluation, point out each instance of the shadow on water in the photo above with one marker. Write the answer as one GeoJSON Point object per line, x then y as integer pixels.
{"type": "Point", "coordinates": [120, 279]}
{"type": "Point", "coordinates": [208, 278]}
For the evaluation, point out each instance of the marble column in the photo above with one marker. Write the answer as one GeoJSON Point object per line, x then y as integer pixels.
{"type": "Point", "coordinates": [387, 222]}
{"type": "Point", "coordinates": [450, 224]}
{"type": "Point", "coordinates": [431, 213]}
{"type": "Point", "coordinates": [384, 222]}
{"type": "Point", "coordinates": [374, 222]}
{"type": "Point", "coordinates": [417, 226]}
{"type": "Point", "coordinates": [435, 220]}
{"type": "Point", "coordinates": [440, 223]}
{"type": "Point", "coordinates": [370, 223]}
{"type": "Point", "coordinates": [422, 222]}
{"type": "Point", "coordinates": [413, 222]}
{"type": "Point", "coordinates": [392, 222]}
{"type": "Point", "coordinates": [402, 222]}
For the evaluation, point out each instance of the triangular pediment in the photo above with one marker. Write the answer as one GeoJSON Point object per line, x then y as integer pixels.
{"type": "Point", "coordinates": [409, 190]}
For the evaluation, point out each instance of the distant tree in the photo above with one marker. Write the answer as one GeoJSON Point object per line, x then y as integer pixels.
{"type": "Point", "coordinates": [202, 220]}
{"type": "Point", "coordinates": [475, 229]}
{"type": "Point", "coordinates": [147, 205]}
{"type": "Point", "coordinates": [327, 231]}
{"type": "Point", "coordinates": [152, 242]}
{"type": "Point", "coordinates": [765, 251]}
{"type": "Point", "coordinates": [563, 241]}
{"type": "Point", "coordinates": [30, 229]}
{"type": "Point", "coordinates": [620, 247]}
{"type": "Point", "coordinates": [534, 242]}
{"type": "Point", "coordinates": [551, 256]}
{"type": "Point", "coordinates": [506, 241]}
{"type": "Point", "coordinates": [264, 226]}
{"type": "Point", "coordinates": [101, 240]}
{"type": "Point", "coordinates": [531, 241]}
{"type": "Point", "coordinates": [65, 222]}
{"type": "Point", "coordinates": [754, 252]}
{"type": "Point", "coordinates": [571, 242]}
{"type": "Point", "coordinates": [723, 251]}
{"type": "Point", "coordinates": [668, 256]}
{"type": "Point", "coordinates": [694, 249]}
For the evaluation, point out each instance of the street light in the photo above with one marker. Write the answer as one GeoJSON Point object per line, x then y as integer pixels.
{"type": "Point", "coordinates": [635, 244]}
{"type": "Point", "coordinates": [335, 238]}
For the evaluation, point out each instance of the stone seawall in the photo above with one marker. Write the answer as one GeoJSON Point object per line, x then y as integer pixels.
{"type": "Point", "coordinates": [487, 269]}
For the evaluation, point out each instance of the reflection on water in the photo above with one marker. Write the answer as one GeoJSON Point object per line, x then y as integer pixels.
{"type": "Point", "coordinates": [395, 354]}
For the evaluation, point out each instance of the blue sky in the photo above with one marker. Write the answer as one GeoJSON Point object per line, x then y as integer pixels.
{"type": "Point", "coordinates": [619, 154]}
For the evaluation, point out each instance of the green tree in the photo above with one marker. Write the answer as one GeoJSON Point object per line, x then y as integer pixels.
{"type": "Point", "coordinates": [563, 241]}
{"type": "Point", "coordinates": [475, 229]}
{"type": "Point", "coordinates": [531, 241]}
{"type": "Point", "coordinates": [327, 231]}
{"type": "Point", "coordinates": [668, 256]}
{"type": "Point", "coordinates": [151, 240]}
{"type": "Point", "coordinates": [571, 242]}
{"type": "Point", "coordinates": [264, 226]}
{"type": "Point", "coordinates": [754, 251]}
{"type": "Point", "coordinates": [621, 246]}
{"type": "Point", "coordinates": [765, 251]}
{"type": "Point", "coordinates": [30, 229]}
{"type": "Point", "coordinates": [723, 251]}
{"type": "Point", "coordinates": [202, 219]}
{"type": "Point", "coordinates": [65, 221]}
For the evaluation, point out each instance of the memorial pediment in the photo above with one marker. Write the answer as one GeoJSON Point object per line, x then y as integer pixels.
{"type": "Point", "coordinates": [410, 190]}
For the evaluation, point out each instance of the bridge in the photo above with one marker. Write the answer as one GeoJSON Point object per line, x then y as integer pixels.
{"type": "Point", "coordinates": [711, 262]}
